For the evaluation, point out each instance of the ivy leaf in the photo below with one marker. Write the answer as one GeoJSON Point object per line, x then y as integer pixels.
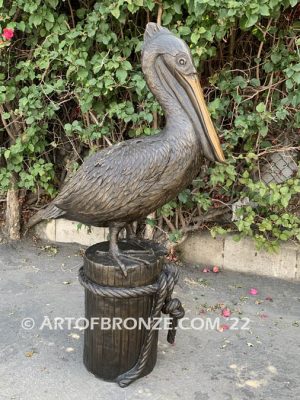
{"type": "Point", "coordinates": [167, 18]}
{"type": "Point", "coordinates": [281, 113]}
{"type": "Point", "coordinates": [289, 84]}
{"type": "Point", "coordinates": [284, 201]}
{"type": "Point", "coordinates": [21, 25]}
{"type": "Point", "coordinates": [53, 3]}
{"type": "Point", "coordinates": [261, 107]}
{"type": "Point", "coordinates": [276, 57]}
{"type": "Point", "coordinates": [121, 74]}
{"type": "Point", "coordinates": [268, 67]}
{"type": "Point", "coordinates": [184, 30]}
{"type": "Point", "coordinates": [255, 82]}
{"type": "Point", "coordinates": [296, 77]}
{"type": "Point", "coordinates": [29, 120]}
{"type": "Point", "coordinates": [6, 115]}
{"type": "Point", "coordinates": [82, 73]}
{"type": "Point", "coordinates": [80, 62]}
{"type": "Point", "coordinates": [251, 20]}
{"type": "Point", "coordinates": [6, 154]}
{"type": "Point", "coordinates": [116, 12]}
{"type": "Point", "coordinates": [264, 10]}
{"type": "Point", "coordinates": [184, 196]}
{"type": "Point", "coordinates": [35, 19]}
{"type": "Point", "coordinates": [126, 65]}
{"type": "Point", "coordinates": [177, 8]}
{"type": "Point", "coordinates": [195, 37]}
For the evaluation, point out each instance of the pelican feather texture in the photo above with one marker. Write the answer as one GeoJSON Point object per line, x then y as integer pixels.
{"type": "Point", "coordinates": [129, 180]}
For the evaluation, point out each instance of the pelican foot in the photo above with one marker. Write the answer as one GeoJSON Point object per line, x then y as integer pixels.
{"type": "Point", "coordinates": [139, 243]}
{"type": "Point", "coordinates": [122, 266]}
{"type": "Point", "coordinates": [115, 257]}
{"type": "Point", "coordinates": [129, 257]}
{"type": "Point", "coordinates": [148, 252]}
{"type": "Point", "coordinates": [134, 240]}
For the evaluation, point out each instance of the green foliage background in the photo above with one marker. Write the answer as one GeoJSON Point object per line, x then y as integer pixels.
{"type": "Point", "coordinates": [71, 84]}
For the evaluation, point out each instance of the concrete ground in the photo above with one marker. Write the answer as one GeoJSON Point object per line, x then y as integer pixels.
{"type": "Point", "coordinates": [262, 362]}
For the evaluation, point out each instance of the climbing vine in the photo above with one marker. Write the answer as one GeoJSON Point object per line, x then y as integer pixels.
{"type": "Point", "coordinates": [71, 84]}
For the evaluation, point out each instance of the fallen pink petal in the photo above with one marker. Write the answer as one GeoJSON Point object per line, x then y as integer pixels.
{"type": "Point", "coordinates": [8, 33]}
{"type": "Point", "coordinates": [263, 316]}
{"type": "Point", "coordinates": [226, 312]}
{"type": "Point", "coordinates": [223, 328]}
{"type": "Point", "coordinates": [216, 269]}
{"type": "Point", "coordinates": [205, 270]}
{"type": "Point", "coordinates": [253, 292]}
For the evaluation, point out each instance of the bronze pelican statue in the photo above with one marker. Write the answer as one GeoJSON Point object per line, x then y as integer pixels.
{"type": "Point", "coordinates": [127, 181]}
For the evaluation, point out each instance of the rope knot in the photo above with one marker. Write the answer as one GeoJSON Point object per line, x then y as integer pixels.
{"type": "Point", "coordinates": [173, 307]}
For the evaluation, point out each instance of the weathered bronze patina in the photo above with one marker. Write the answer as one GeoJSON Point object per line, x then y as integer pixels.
{"type": "Point", "coordinates": [129, 180]}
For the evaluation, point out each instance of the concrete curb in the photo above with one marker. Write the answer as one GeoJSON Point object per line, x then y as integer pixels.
{"type": "Point", "coordinates": [199, 248]}
{"type": "Point", "coordinates": [65, 231]}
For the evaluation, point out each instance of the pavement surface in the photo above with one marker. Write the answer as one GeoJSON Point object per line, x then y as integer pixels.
{"type": "Point", "coordinates": [261, 361]}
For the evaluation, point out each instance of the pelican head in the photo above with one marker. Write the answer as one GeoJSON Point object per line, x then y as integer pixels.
{"type": "Point", "coordinates": [176, 73]}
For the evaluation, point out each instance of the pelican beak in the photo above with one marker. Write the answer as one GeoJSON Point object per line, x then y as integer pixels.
{"type": "Point", "coordinates": [208, 136]}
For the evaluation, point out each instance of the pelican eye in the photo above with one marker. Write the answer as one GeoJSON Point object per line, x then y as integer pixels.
{"type": "Point", "coordinates": [182, 61]}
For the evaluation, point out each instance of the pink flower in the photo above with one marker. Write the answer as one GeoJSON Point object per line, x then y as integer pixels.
{"type": "Point", "coordinates": [8, 33]}
{"type": "Point", "coordinates": [223, 328]}
{"type": "Point", "coordinates": [216, 269]}
{"type": "Point", "coordinates": [206, 270]}
{"type": "Point", "coordinates": [253, 292]}
{"type": "Point", "coordinates": [226, 312]}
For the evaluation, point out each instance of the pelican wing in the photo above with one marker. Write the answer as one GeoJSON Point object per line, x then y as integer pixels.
{"type": "Point", "coordinates": [114, 177]}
